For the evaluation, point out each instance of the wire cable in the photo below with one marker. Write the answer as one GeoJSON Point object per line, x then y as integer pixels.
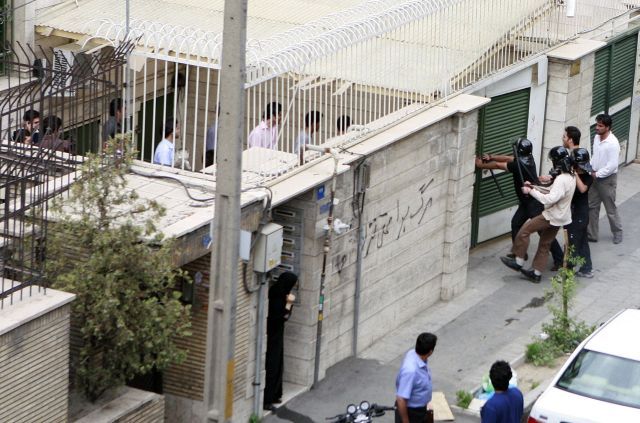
{"type": "Point", "coordinates": [173, 178]}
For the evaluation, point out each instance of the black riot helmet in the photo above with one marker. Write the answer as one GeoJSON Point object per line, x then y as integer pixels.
{"type": "Point", "coordinates": [560, 158]}
{"type": "Point", "coordinates": [524, 147]}
{"type": "Point", "coordinates": [581, 159]}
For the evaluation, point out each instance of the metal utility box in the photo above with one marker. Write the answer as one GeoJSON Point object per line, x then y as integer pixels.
{"type": "Point", "coordinates": [268, 248]}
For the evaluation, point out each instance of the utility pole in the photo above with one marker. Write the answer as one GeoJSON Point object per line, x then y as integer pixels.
{"type": "Point", "coordinates": [220, 365]}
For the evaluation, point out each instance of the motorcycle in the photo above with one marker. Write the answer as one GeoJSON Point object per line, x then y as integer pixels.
{"type": "Point", "coordinates": [362, 413]}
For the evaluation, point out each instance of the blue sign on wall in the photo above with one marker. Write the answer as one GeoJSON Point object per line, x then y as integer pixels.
{"type": "Point", "coordinates": [320, 192]}
{"type": "Point", "coordinates": [325, 207]}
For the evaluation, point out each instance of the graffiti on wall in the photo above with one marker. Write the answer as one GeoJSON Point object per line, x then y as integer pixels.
{"type": "Point", "coordinates": [392, 225]}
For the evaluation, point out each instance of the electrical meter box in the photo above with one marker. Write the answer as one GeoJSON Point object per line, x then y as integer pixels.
{"type": "Point", "coordinates": [268, 248]}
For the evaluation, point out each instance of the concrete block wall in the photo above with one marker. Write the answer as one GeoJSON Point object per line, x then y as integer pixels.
{"type": "Point", "coordinates": [462, 148]}
{"type": "Point", "coordinates": [126, 405]}
{"type": "Point", "coordinates": [570, 88]}
{"type": "Point", "coordinates": [416, 219]}
{"type": "Point", "coordinates": [34, 357]}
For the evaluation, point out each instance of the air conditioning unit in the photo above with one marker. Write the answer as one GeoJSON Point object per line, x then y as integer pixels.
{"type": "Point", "coordinates": [70, 67]}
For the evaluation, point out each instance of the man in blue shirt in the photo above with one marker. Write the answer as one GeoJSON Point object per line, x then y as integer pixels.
{"type": "Point", "coordinates": [413, 383]}
{"type": "Point", "coordinates": [165, 150]}
{"type": "Point", "coordinates": [507, 404]}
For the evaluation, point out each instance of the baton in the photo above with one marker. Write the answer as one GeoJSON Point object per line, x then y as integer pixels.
{"type": "Point", "coordinates": [495, 181]}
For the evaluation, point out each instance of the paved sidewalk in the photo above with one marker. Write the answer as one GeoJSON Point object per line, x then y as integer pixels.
{"type": "Point", "coordinates": [494, 318]}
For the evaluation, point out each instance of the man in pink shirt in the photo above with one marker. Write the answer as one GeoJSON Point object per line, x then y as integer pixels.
{"type": "Point", "coordinates": [265, 135]}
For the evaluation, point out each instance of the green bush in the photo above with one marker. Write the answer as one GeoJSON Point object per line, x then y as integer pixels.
{"type": "Point", "coordinates": [541, 353]}
{"type": "Point", "coordinates": [105, 248]}
{"type": "Point", "coordinates": [564, 332]}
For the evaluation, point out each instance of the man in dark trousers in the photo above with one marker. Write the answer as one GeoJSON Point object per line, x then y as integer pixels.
{"type": "Point", "coordinates": [523, 168]}
{"type": "Point", "coordinates": [413, 383]}
{"type": "Point", "coordinates": [507, 404]}
{"type": "Point", "coordinates": [577, 230]}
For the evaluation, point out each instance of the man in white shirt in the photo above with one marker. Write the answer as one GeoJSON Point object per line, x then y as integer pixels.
{"type": "Point", "coordinates": [265, 135]}
{"type": "Point", "coordinates": [557, 213]}
{"type": "Point", "coordinates": [604, 162]}
{"type": "Point", "coordinates": [165, 150]}
{"type": "Point", "coordinates": [311, 126]}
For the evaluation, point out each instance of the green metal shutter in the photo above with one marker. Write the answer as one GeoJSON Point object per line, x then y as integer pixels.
{"type": "Point", "coordinates": [622, 70]}
{"type": "Point", "coordinates": [87, 138]}
{"type": "Point", "coordinates": [502, 121]}
{"type": "Point", "coordinates": [600, 81]}
{"type": "Point", "coordinates": [621, 124]}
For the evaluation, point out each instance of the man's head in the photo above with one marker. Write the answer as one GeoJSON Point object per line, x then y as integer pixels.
{"type": "Point", "coordinates": [524, 147]}
{"type": "Point", "coordinates": [272, 113]}
{"type": "Point", "coordinates": [115, 109]}
{"type": "Point", "coordinates": [425, 344]}
{"type": "Point", "coordinates": [603, 125]}
{"type": "Point", "coordinates": [31, 120]}
{"type": "Point", "coordinates": [500, 375]}
{"type": "Point", "coordinates": [171, 129]}
{"type": "Point", "coordinates": [312, 121]}
{"type": "Point", "coordinates": [571, 137]}
{"type": "Point", "coordinates": [343, 124]}
{"type": "Point", "coordinates": [560, 158]}
{"type": "Point", "coordinates": [51, 124]}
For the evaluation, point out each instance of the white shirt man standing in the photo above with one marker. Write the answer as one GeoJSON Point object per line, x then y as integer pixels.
{"type": "Point", "coordinates": [604, 161]}
{"type": "Point", "coordinates": [265, 135]}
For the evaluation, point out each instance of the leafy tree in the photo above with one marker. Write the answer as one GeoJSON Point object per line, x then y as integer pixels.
{"type": "Point", "coordinates": [105, 247]}
{"type": "Point", "coordinates": [563, 333]}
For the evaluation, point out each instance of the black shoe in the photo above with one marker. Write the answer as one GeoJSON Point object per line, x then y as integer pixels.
{"type": "Point", "coordinates": [511, 263]}
{"type": "Point", "coordinates": [278, 401]}
{"type": "Point", "coordinates": [530, 275]}
{"type": "Point", "coordinates": [269, 407]}
{"type": "Point", "coordinates": [556, 267]}
{"type": "Point", "coordinates": [591, 239]}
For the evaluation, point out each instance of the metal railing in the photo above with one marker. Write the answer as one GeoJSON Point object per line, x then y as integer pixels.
{"type": "Point", "coordinates": [337, 78]}
{"type": "Point", "coordinates": [50, 96]}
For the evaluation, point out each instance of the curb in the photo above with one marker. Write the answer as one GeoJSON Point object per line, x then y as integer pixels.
{"type": "Point", "coordinates": [529, 398]}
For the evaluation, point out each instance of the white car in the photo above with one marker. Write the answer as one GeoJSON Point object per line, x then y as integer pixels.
{"type": "Point", "coordinates": [600, 382]}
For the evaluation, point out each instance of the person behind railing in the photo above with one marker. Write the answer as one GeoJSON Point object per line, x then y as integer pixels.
{"type": "Point", "coordinates": [30, 131]}
{"type": "Point", "coordinates": [265, 135]}
{"type": "Point", "coordinates": [211, 142]}
{"type": "Point", "coordinates": [165, 151]}
{"type": "Point", "coordinates": [311, 127]}
{"type": "Point", "coordinates": [52, 139]}
{"type": "Point", "coordinates": [113, 125]}
{"type": "Point", "coordinates": [343, 124]}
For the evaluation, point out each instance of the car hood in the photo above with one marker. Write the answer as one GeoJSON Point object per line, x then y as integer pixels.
{"type": "Point", "coordinates": [562, 406]}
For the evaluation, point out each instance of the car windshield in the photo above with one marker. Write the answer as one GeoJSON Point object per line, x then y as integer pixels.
{"type": "Point", "coordinates": [604, 377]}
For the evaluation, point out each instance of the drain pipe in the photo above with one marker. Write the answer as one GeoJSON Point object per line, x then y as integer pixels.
{"type": "Point", "coordinates": [360, 185]}
{"type": "Point", "coordinates": [325, 256]}
{"type": "Point", "coordinates": [257, 381]}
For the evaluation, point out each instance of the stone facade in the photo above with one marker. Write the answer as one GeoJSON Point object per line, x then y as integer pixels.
{"type": "Point", "coordinates": [416, 217]}
{"type": "Point", "coordinates": [34, 357]}
{"type": "Point", "coordinates": [569, 95]}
